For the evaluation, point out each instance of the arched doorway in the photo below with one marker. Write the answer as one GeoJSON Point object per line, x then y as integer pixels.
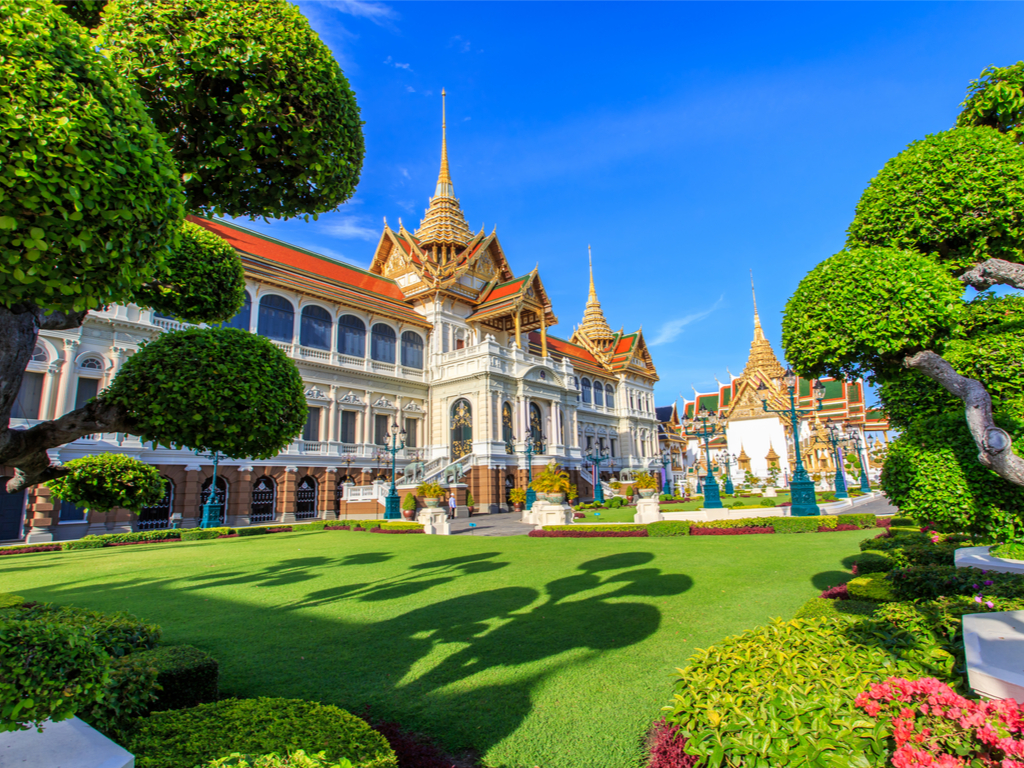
{"type": "Point", "coordinates": [12, 512]}
{"type": "Point", "coordinates": [263, 508]}
{"type": "Point", "coordinates": [222, 493]}
{"type": "Point", "coordinates": [158, 515]}
{"type": "Point", "coordinates": [536, 428]}
{"type": "Point", "coordinates": [305, 498]}
{"type": "Point", "coordinates": [462, 429]}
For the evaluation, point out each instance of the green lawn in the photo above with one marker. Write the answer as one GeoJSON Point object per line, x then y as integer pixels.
{"type": "Point", "coordinates": [555, 653]}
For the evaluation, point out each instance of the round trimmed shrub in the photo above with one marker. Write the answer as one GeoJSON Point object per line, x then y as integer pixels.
{"type": "Point", "coordinates": [47, 672]}
{"type": "Point", "coordinates": [187, 388]}
{"type": "Point", "coordinates": [262, 123]}
{"type": "Point", "coordinates": [996, 99]}
{"type": "Point", "coordinates": [866, 308]}
{"type": "Point", "coordinates": [90, 199]}
{"type": "Point", "coordinates": [932, 473]}
{"type": "Point", "coordinates": [117, 633]}
{"type": "Point", "coordinates": [109, 480]}
{"type": "Point", "coordinates": [188, 737]}
{"type": "Point", "coordinates": [204, 280]}
{"type": "Point", "coordinates": [958, 195]}
{"type": "Point", "coordinates": [297, 759]}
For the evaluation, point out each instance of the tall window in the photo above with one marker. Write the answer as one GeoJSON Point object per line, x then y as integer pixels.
{"type": "Point", "coordinates": [348, 427]}
{"type": "Point", "coordinates": [410, 432]}
{"type": "Point", "coordinates": [598, 393]}
{"type": "Point", "coordinates": [351, 336]}
{"type": "Point", "coordinates": [311, 431]}
{"type": "Point", "coordinates": [159, 515]}
{"type": "Point", "coordinates": [536, 427]}
{"type": "Point", "coordinates": [69, 513]}
{"type": "Point", "coordinates": [586, 390]}
{"type": "Point", "coordinates": [609, 396]}
{"type": "Point", "coordinates": [412, 350]}
{"type": "Point", "coordinates": [315, 327]}
{"type": "Point", "coordinates": [277, 318]}
{"type": "Point", "coordinates": [507, 433]}
{"type": "Point", "coordinates": [305, 498]}
{"type": "Point", "coordinates": [86, 391]}
{"type": "Point", "coordinates": [382, 343]}
{"type": "Point", "coordinates": [29, 397]}
{"type": "Point", "coordinates": [380, 429]}
{"type": "Point", "coordinates": [241, 320]}
{"type": "Point", "coordinates": [263, 507]}
{"type": "Point", "coordinates": [461, 429]}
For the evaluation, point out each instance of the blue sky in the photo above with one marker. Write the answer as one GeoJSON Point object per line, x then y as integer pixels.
{"type": "Point", "coordinates": [688, 143]}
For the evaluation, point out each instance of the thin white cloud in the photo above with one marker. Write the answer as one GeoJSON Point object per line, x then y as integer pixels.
{"type": "Point", "coordinates": [670, 330]}
{"type": "Point", "coordinates": [378, 13]}
{"type": "Point", "coordinates": [349, 228]}
{"type": "Point", "coordinates": [400, 65]}
{"type": "Point", "coordinates": [405, 172]}
{"type": "Point", "coordinates": [461, 43]}
{"type": "Point", "coordinates": [410, 89]}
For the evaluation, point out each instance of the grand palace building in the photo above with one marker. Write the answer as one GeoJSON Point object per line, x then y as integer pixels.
{"type": "Point", "coordinates": [757, 441]}
{"type": "Point", "coordinates": [439, 336]}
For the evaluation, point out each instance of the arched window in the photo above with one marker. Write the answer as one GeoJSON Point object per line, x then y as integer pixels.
{"type": "Point", "coordinates": [536, 427]}
{"type": "Point", "coordinates": [263, 508]}
{"type": "Point", "coordinates": [609, 396]}
{"type": "Point", "coordinates": [222, 493]}
{"type": "Point", "coordinates": [412, 350]}
{"type": "Point", "coordinates": [351, 336]}
{"type": "Point", "coordinates": [241, 320]}
{"type": "Point", "coordinates": [586, 390]}
{"type": "Point", "coordinates": [382, 343]}
{"type": "Point", "coordinates": [507, 433]}
{"type": "Point", "coordinates": [462, 429]}
{"type": "Point", "coordinates": [39, 355]}
{"type": "Point", "coordinates": [159, 515]}
{"type": "Point", "coordinates": [315, 327]}
{"type": "Point", "coordinates": [598, 393]}
{"type": "Point", "coordinates": [305, 498]}
{"type": "Point", "coordinates": [277, 318]}
{"type": "Point", "coordinates": [91, 363]}
{"type": "Point", "coordinates": [576, 383]}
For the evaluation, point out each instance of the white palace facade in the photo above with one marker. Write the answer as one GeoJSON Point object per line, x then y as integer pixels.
{"type": "Point", "coordinates": [438, 336]}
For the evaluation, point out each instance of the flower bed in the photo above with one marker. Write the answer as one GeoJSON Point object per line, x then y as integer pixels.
{"type": "Point", "coordinates": [396, 530]}
{"type": "Point", "coordinates": [279, 529]}
{"type": "Point", "coordinates": [581, 534]}
{"type": "Point", "coordinates": [24, 549]}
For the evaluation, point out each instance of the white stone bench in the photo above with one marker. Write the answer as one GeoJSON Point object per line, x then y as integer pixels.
{"type": "Point", "coordinates": [67, 744]}
{"type": "Point", "coordinates": [994, 647]}
{"type": "Point", "coordinates": [978, 557]}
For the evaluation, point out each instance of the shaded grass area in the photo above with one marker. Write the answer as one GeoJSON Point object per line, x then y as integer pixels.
{"type": "Point", "coordinates": [555, 653]}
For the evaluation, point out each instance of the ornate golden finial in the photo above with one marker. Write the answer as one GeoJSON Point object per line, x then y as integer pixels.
{"type": "Point", "coordinates": [594, 326]}
{"type": "Point", "coordinates": [762, 362]}
{"type": "Point", "coordinates": [758, 332]}
{"type": "Point", "coordinates": [444, 177]}
{"type": "Point", "coordinates": [443, 222]}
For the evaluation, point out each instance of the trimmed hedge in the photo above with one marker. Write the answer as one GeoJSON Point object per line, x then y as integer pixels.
{"type": "Point", "coordinates": [187, 676]}
{"type": "Point", "coordinates": [812, 667]}
{"type": "Point", "coordinates": [129, 691]}
{"type": "Point", "coordinates": [860, 519]}
{"type": "Point", "coordinates": [669, 528]}
{"type": "Point", "coordinates": [870, 588]}
{"type": "Point", "coordinates": [253, 531]}
{"type": "Point", "coordinates": [297, 759]}
{"type": "Point", "coordinates": [200, 534]}
{"type": "Point", "coordinates": [117, 633]}
{"type": "Point", "coordinates": [86, 542]}
{"type": "Point", "coordinates": [8, 600]}
{"type": "Point", "coordinates": [25, 549]}
{"type": "Point", "coordinates": [189, 737]}
{"type": "Point", "coordinates": [819, 607]}
{"type": "Point", "coordinates": [933, 581]}
{"type": "Point", "coordinates": [737, 531]}
{"type": "Point", "coordinates": [623, 531]}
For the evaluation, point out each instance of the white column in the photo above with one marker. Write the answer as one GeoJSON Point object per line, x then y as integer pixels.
{"type": "Point", "coordinates": [69, 381]}
{"type": "Point", "coordinates": [332, 417]}
{"type": "Point", "coordinates": [50, 389]}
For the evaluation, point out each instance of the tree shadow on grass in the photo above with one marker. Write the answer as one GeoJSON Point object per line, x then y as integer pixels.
{"type": "Point", "coordinates": [829, 579]}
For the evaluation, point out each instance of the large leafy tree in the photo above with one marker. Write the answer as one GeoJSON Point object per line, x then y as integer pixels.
{"type": "Point", "coordinates": [109, 139]}
{"type": "Point", "coordinates": [945, 214]}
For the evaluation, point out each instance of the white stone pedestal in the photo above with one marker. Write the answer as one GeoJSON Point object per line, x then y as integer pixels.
{"type": "Point", "coordinates": [434, 520]}
{"type": "Point", "coordinates": [548, 513]}
{"type": "Point", "coordinates": [994, 647]}
{"type": "Point", "coordinates": [769, 493]}
{"type": "Point", "coordinates": [647, 511]}
{"type": "Point", "coordinates": [67, 744]}
{"type": "Point", "coordinates": [978, 557]}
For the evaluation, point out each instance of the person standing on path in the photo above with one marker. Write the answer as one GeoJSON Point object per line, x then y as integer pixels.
{"type": "Point", "coordinates": [451, 506]}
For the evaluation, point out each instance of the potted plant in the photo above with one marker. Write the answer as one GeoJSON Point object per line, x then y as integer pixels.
{"type": "Point", "coordinates": [552, 482]}
{"type": "Point", "coordinates": [572, 494]}
{"type": "Point", "coordinates": [409, 506]}
{"type": "Point", "coordinates": [431, 493]}
{"type": "Point", "coordinates": [470, 501]}
{"type": "Point", "coordinates": [646, 484]}
{"type": "Point", "coordinates": [517, 496]}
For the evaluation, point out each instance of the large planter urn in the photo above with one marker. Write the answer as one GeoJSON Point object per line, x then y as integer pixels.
{"type": "Point", "coordinates": [408, 514]}
{"type": "Point", "coordinates": [558, 497]}
{"type": "Point", "coordinates": [431, 501]}
{"type": "Point", "coordinates": [646, 493]}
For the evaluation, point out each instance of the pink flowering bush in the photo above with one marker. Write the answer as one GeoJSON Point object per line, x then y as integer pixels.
{"type": "Point", "coordinates": [933, 726]}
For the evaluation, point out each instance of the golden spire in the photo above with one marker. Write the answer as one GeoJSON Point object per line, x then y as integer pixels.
{"type": "Point", "coordinates": [758, 331]}
{"type": "Point", "coordinates": [762, 357]}
{"type": "Point", "coordinates": [594, 325]}
{"type": "Point", "coordinates": [443, 221]}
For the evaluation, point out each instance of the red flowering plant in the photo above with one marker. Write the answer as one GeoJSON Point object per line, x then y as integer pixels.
{"type": "Point", "coordinates": [935, 727]}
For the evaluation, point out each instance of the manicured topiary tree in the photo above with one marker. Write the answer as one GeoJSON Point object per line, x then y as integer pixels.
{"type": "Point", "coordinates": [107, 143]}
{"type": "Point", "coordinates": [109, 480]}
{"type": "Point", "coordinates": [945, 213]}
{"type": "Point", "coordinates": [996, 99]}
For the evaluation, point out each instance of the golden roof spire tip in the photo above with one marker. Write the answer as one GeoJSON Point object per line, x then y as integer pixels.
{"type": "Point", "coordinates": [594, 326]}
{"type": "Point", "coordinates": [443, 223]}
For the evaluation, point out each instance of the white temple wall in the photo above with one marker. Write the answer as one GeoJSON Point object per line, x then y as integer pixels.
{"type": "Point", "coordinates": [757, 437]}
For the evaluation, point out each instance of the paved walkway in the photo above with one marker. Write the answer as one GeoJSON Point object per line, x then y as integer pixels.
{"type": "Point", "coordinates": [496, 524]}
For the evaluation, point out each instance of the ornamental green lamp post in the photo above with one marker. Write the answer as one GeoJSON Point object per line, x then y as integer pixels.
{"type": "Point", "coordinates": [835, 440]}
{"type": "Point", "coordinates": [666, 461]}
{"type": "Point", "coordinates": [708, 428]}
{"type": "Point", "coordinates": [595, 458]}
{"type": "Point", "coordinates": [804, 502]}
{"type": "Point", "coordinates": [726, 458]}
{"type": "Point", "coordinates": [534, 445]}
{"type": "Point", "coordinates": [214, 507]}
{"type": "Point", "coordinates": [858, 446]}
{"type": "Point", "coordinates": [392, 504]}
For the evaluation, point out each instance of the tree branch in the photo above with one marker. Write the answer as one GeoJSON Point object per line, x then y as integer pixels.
{"type": "Point", "coordinates": [995, 448]}
{"type": "Point", "coordinates": [25, 449]}
{"type": "Point", "coordinates": [994, 272]}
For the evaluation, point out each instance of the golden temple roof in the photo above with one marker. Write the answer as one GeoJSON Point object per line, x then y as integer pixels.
{"type": "Point", "coordinates": [444, 221]}
{"type": "Point", "coordinates": [762, 357]}
{"type": "Point", "coordinates": [594, 326]}
{"type": "Point", "coordinates": [771, 455]}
